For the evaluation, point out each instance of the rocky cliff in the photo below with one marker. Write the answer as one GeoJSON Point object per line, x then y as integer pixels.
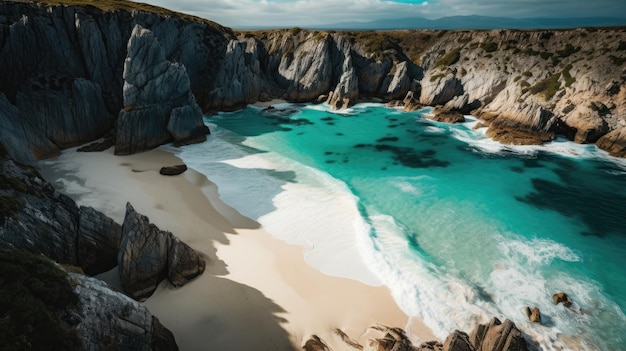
{"type": "Point", "coordinates": [76, 73]}
{"type": "Point", "coordinates": [39, 225]}
{"type": "Point", "coordinates": [46, 307]}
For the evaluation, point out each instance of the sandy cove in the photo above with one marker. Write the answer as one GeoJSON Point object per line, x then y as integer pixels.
{"type": "Point", "coordinates": [257, 292]}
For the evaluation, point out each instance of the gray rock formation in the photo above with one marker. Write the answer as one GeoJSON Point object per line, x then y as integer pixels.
{"type": "Point", "coordinates": [158, 103]}
{"type": "Point", "coordinates": [39, 219]}
{"type": "Point", "coordinates": [111, 320]}
{"type": "Point", "coordinates": [537, 82]}
{"type": "Point", "coordinates": [148, 255]}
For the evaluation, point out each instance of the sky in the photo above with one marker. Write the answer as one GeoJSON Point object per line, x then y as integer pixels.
{"type": "Point", "coordinates": [303, 13]}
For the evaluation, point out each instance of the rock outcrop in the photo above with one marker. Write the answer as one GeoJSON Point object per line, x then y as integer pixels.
{"type": "Point", "coordinates": [498, 336]}
{"type": "Point", "coordinates": [563, 298]}
{"type": "Point", "coordinates": [494, 336]}
{"type": "Point", "coordinates": [149, 76]}
{"type": "Point", "coordinates": [111, 320]}
{"type": "Point", "coordinates": [148, 255]}
{"type": "Point", "coordinates": [48, 307]}
{"type": "Point", "coordinates": [614, 142]}
{"type": "Point", "coordinates": [39, 219]}
{"type": "Point", "coordinates": [158, 104]}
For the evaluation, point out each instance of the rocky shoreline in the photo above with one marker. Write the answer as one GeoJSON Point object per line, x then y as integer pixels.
{"type": "Point", "coordinates": [140, 79]}
{"type": "Point", "coordinates": [106, 68]}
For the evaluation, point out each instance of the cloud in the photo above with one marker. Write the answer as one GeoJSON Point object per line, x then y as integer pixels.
{"type": "Point", "coordinates": [303, 13]}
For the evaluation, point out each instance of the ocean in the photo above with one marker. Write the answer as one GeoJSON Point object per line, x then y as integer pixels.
{"type": "Point", "coordinates": [460, 228]}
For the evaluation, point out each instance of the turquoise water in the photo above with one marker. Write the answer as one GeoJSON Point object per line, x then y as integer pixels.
{"type": "Point", "coordinates": [458, 227]}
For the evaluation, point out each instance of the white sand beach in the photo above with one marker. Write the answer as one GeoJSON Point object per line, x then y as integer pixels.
{"type": "Point", "coordinates": [257, 293]}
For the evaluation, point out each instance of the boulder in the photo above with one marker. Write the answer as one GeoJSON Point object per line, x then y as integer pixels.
{"type": "Point", "coordinates": [498, 336]}
{"type": "Point", "coordinates": [148, 255]}
{"type": "Point", "coordinates": [584, 123]}
{"type": "Point", "coordinates": [411, 102]}
{"type": "Point", "coordinates": [111, 320]}
{"type": "Point", "coordinates": [533, 314]}
{"type": "Point", "coordinates": [394, 339]}
{"type": "Point", "coordinates": [458, 341]}
{"type": "Point", "coordinates": [173, 170]}
{"type": "Point", "coordinates": [614, 142]}
{"type": "Point", "coordinates": [447, 116]}
{"type": "Point", "coordinates": [563, 298]}
{"type": "Point", "coordinates": [314, 343]}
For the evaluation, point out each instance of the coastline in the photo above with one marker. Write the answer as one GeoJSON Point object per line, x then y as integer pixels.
{"type": "Point", "coordinates": [257, 291]}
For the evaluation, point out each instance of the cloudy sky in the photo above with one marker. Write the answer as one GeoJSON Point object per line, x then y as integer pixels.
{"type": "Point", "coordinates": [289, 13]}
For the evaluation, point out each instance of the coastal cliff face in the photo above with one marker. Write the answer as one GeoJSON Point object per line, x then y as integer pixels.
{"type": "Point", "coordinates": [74, 74]}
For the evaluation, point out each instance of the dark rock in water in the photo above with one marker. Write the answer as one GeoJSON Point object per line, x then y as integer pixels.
{"type": "Point", "coordinates": [498, 336]}
{"type": "Point", "coordinates": [533, 314]}
{"type": "Point", "coordinates": [563, 298]}
{"type": "Point", "coordinates": [148, 255]}
{"type": "Point", "coordinates": [173, 170]}
{"type": "Point", "coordinates": [458, 341]}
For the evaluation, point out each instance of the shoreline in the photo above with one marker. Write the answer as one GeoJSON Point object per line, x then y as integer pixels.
{"type": "Point", "coordinates": [278, 304]}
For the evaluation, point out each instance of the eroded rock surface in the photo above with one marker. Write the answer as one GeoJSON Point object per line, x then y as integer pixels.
{"type": "Point", "coordinates": [148, 255]}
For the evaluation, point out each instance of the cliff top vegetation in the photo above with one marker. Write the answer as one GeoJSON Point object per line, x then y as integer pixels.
{"type": "Point", "coordinates": [124, 5]}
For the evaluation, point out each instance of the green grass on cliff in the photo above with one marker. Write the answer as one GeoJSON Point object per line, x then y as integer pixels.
{"type": "Point", "coordinates": [123, 5]}
{"type": "Point", "coordinates": [450, 58]}
{"type": "Point", "coordinates": [36, 301]}
{"type": "Point", "coordinates": [547, 87]}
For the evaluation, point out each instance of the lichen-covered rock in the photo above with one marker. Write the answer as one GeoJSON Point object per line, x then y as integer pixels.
{"type": "Point", "coordinates": [148, 255]}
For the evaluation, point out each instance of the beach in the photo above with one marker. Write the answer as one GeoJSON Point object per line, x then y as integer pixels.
{"type": "Point", "coordinates": [257, 291]}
